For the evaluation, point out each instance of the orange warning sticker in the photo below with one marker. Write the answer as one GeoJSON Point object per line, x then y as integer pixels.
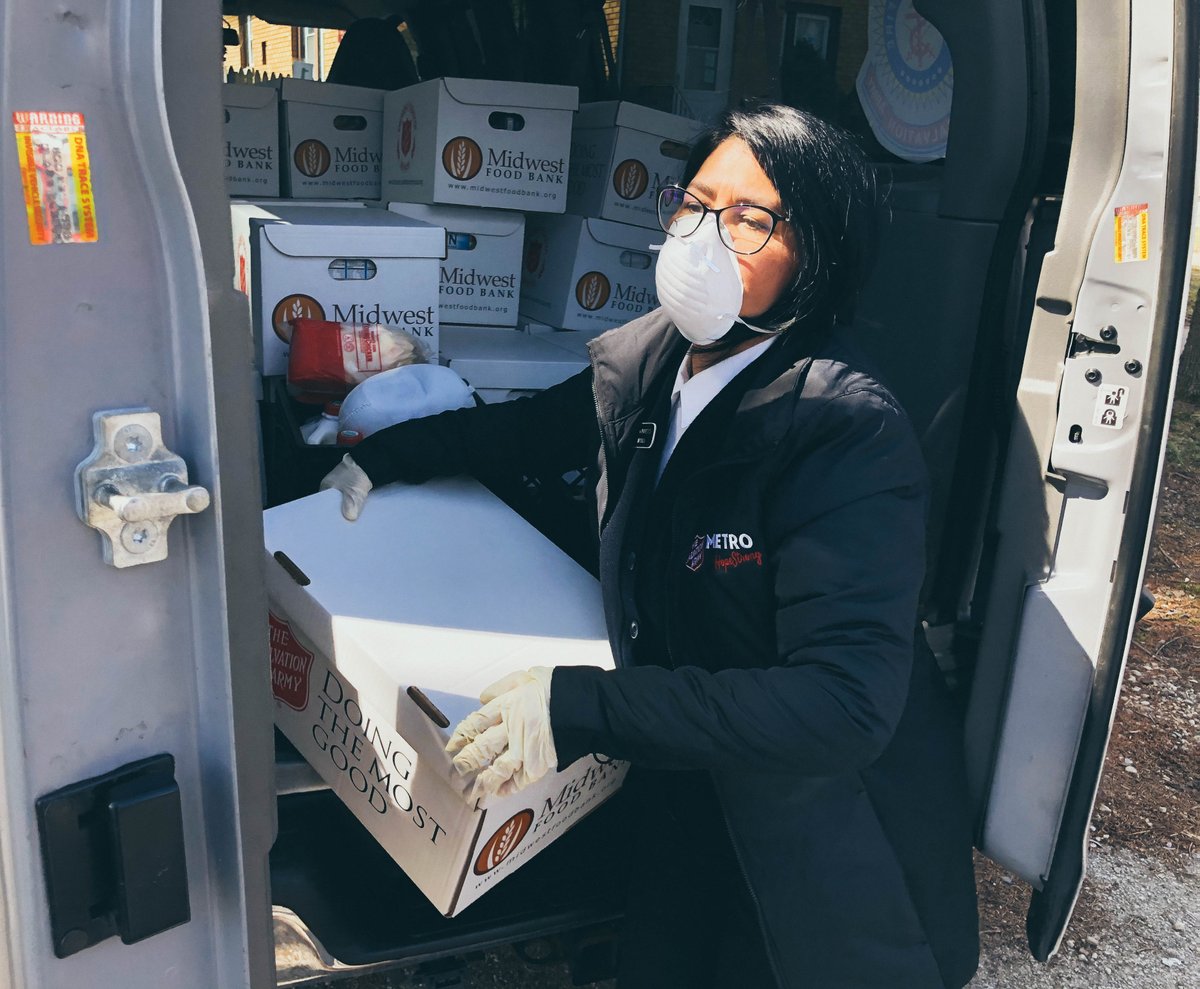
{"type": "Point", "coordinates": [1131, 235]}
{"type": "Point", "coordinates": [56, 177]}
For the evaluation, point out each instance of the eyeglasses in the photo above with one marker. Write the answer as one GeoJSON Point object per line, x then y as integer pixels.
{"type": "Point", "coordinates": [743, 228]}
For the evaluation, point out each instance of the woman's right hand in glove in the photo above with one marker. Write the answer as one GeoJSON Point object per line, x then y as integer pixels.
{"type": "Point", "coordinates": [352, 481]}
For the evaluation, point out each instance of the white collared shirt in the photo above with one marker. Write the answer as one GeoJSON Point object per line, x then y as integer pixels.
{"type": "Point", "coordinates": [693, 392]}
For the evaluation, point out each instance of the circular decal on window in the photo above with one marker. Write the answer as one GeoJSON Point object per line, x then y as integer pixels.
{"type": "Point", "coordinates": [630, 179]}
{"type": "Point", "coordinates": [592, 290]}
{"type": "Point", "coordinates": [291, 308]}
{"type": "Point", "coordinates": [462, 158]}
{"type": "Point", "coordinates": [312, 158]}
{"type": "Point", "coordinates": [500, 845]}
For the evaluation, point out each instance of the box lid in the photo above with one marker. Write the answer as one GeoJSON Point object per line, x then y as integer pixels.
{"type": "Point", "coordinates": [489, 357]}
{"type": "Point", "coordinates": [623, 235]}
{"type": "Point", "coordinates": [328, 94]}
{"type": "Point", "coordinates": [247, 97]}
{"type": "Point", "coordinates": [439, 585]}
{"type": "Point", "coordinates": [622, 113]}
{"type": "Point", "coordinates": [465, 219]}
{"type": "Point", "coordinates": [309, 231]}
{"type": "Point", "coordinates": [530, 95]}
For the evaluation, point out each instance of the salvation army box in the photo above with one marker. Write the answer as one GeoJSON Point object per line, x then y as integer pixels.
{"type": "Point", "coordinates": [481, 276]}
{"type": "Point", "coordinates": [383, 634]}
{"type": "Point", "coordinates": [251, 139]}
{"type": "Point", "coordinates": [331, 139]}
{"type": "Point", "coordinates": [621, 155]}
{"type": "Point", "coordinates": [346, 264]}
{"type": "Point", "coordinates": [477, 142]}
{"type": "Point", "coordinates": [586, 274]}
{"type": "Point", "coordinates": [501, 364]}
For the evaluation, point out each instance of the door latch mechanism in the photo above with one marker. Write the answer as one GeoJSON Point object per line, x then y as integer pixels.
{"type": "Point", "coordinates": [132, 487]}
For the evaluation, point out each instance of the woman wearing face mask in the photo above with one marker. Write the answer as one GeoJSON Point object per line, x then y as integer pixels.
{"type": "Point", "coordinates": [797, 778]}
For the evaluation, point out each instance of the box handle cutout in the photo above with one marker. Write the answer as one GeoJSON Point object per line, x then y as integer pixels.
{"type": "Point", "coordinates": [293, 571]}
{"type": "Point", "coordinates": [349, 121]}
{"type": "Point", "coordinates": [428, 708]}
{"type": "Point", "coordinates": [635, 259]}
{"type": "Point", "coordinates": [500, 120]}
{"type": "Point", "coordinates": [226, 116]}
{"type": "Point", "coordinates": [460, 242]}
{"type": "Point", "coordinates": [674, 149]}
{"type": "Point", "coordinates": [352, 269]}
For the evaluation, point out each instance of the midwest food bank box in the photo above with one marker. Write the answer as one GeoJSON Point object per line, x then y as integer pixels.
{"type": "Point", "coordinates": [481, 276]}
{"type": "Point", "coordinates": [331, 139]}
{"type": "Point", "coordinates": [587, 274]}
{"type": "Point", "coordinates": [251, 140]}
{"type": "Point", "coordinates": [383, 634]}
{"type": "Point", "coordinates": [621, 155]}
{"type": "Point", "coordinates": [475, 142]}
{"type": "Point", "coordinates": [503, 364]}
{"type": "Point", "coordinates": [346, 264]}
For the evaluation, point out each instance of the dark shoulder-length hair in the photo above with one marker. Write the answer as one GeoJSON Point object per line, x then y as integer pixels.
{"type": "Point", "coordinates": [828, 190]}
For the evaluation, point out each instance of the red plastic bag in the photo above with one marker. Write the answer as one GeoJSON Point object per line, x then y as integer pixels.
{"type": "Point", "coordinates": [328, 359]}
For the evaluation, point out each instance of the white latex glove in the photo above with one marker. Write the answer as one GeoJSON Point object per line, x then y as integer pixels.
{"type": "Point", "coordinates": [352, 481]}
{"type": "Point", "coordinates": [507, 742]}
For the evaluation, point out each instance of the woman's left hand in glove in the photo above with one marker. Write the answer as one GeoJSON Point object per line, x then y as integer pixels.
{"type": "Point", "coordinates": [507, 744]}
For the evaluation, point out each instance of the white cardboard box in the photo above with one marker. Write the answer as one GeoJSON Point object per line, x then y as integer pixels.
{"type": "Point", "coordinates": [501, 364]}
{"type": "Point", "coordinates": [475, 142]}
{"type": "Point", "coordinates": [331, 139]}
{"type": "Point", "coordinates": [295, 261]}
{"type": "Point", "coordinates": [481, 276]}
{"type": "Point", "coordinates": [621, 155]}
{"type": "Point", "coordinates": [251, 139]}
{"type": "Point", "coordinates": [587, 274]}
{"type": "Point", "coordinates": [436, 592]}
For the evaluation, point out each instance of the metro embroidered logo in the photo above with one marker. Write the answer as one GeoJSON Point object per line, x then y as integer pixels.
{"type": "Point", "coordinates": [695, 558]}
{"type": "Point", "coordinates": [291, 308]}
{"type": "Point", "coordinates": [592, 290]}
{"type": "Point", "coordinates": [502, 844]}
{"type": "Point", "coordinates": [291, 664]}
{"type": "Point", "coordinates": [462, 158]}
{"type": "Point", "coordinates": [406, 136]}
{"type": "Point", "coordinates": [630, 179]}
{"type": "Point", "coordinates": [312, 158]}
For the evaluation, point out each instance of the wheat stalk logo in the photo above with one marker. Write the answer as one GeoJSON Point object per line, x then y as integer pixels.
{"type": "Point", "coordinates": [630, 179]}
{"type": "Point", "coordinates": [312, 158]}
{"type": "Point", "coordinates": [291, 308]}
{"type": "Point", "coordinates": [461, 154]}
{"type": "Point", "coordinates": [502, 843]}
{"type": "Point", "coordinates": [592, 290]}
{"type": "Point", "coordinates": [462, 158]}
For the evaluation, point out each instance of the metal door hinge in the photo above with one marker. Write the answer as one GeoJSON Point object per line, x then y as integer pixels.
{"type": "Point", "coordinates": [132, 487]}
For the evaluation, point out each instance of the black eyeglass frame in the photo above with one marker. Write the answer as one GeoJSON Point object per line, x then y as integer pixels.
{"type": "Point", "coordinates": [776, 218]}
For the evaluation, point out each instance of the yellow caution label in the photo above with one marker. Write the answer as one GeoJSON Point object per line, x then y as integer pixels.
{"type": "Point", "coordinates": [1131, 234]}
{"type": "Point", "coordinates": [56, 177]}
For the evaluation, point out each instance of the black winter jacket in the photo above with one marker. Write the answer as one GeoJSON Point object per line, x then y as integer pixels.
{"type": "Point", "coordinates": [796, 676]}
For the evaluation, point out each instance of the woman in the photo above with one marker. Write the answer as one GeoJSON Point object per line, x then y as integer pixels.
{"type": "Point", "coordinates": [796, 766]}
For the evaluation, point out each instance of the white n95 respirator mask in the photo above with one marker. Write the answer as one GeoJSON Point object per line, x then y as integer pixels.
{"type": "Point", "coordinates": [699, 284]}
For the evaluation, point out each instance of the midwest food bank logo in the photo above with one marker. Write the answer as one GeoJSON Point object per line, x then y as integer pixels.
{"type": "Point", "coordinates": [291, 665]}
{"type": "Point", "coordinates": [462, 158]}
{"type": "Point", "coordinates": [630, 179]}
{"type": "Point", "coordinates": [592, 290]}
{"type": "Point", "coordinates": [291, 308]}
{"type": "Point", "coordinates": [406, 136]}
{"type": "Point", "coordinates": [502, 844]}
{"type": "Point", "coordinates": [312, 158]}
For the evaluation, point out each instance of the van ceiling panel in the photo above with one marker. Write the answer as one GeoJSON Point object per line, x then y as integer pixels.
{"type": "Point", "coordinates": [339, 14]}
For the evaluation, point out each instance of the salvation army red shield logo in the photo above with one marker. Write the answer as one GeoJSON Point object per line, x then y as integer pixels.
{"type": "Point", "coordinates": [291, 665]}
{"type": "Point", "coordinates": [695, 559]}
{"type": "Point", "coordinates": [500, 845]}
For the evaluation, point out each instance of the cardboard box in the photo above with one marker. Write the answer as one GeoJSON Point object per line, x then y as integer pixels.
{"type": "Point", "coordinates": [331, 139]}
{"type": "Point", "coordinates": [295, 261]}
{"type": "Point", "coordinates": [583, 274]}
{"type": "Point", "coordinates": [502, 364]}
{"type": "Point", "coordinates": [383, 634]}
{"type": "Point", "coordinates": [621, 155]}
{"type": "Point", "coordinates": [251, 140]}
{"type": "Point", "coordinates": [481, 276]}
{"type": "Point", "coordinates": [475, 142]}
